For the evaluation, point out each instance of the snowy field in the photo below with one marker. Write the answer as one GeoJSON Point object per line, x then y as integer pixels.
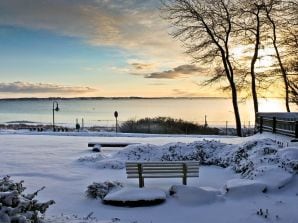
{"type": "Point", "coordinates": [266, 176]}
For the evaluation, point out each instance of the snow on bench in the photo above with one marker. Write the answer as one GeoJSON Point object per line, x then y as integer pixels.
{"type": "Point", "coordinates": [163, 169]}
{"type": "Point", "coordinates": [110, 144]}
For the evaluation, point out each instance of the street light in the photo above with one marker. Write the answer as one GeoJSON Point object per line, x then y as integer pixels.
{"type": "Point", "coordinates": [116, 117]}
{"type": "Point", "coordinates": [54, 109]}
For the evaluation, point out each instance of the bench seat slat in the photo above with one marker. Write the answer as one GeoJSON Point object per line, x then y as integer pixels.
{"type": "Point", "coordinates": [161, 171]}
{"type": "Point", "coordinates": [148, 161]}
{"type": "Point", "coordinates": [162, 163]}
{"type": "Point", "coordinates": [162, 168]}
{"type": "Point", "coordinates": [162, 176]}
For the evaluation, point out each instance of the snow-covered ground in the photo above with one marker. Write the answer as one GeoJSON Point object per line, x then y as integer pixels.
{"type": "Point", "coordinates": [66, 166]}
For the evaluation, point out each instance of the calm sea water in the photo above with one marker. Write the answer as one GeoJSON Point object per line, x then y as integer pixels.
{"type": "Point", "coordinates": [101, 112]}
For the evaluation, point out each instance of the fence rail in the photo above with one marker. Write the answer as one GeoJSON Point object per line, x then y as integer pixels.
{"type": "Point", "coordinates": [279, 125]}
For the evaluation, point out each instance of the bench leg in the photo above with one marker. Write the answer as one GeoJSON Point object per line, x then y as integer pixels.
{"type": "Point", "coordinates": [141, 182]}
{"type": "Point", "coordinates": [184, 179]}
{"type": "Point", "coordinates": [141, 179]}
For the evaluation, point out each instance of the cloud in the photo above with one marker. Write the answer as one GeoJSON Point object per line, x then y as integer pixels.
{"type": "Point", "coordinates": [158, 84]}
{"type": "Point", "coordinates": [137, 67]}
{"type": "Point", "coordinates": [132, 24]}
{"type": "Point", "coordinates": [180, 71]}
{"type": "Point", "coordinates": [34, 88]}
{"type": "Point", "coordinates": [142, 66]}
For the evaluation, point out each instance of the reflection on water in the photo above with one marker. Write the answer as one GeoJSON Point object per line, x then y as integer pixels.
{"type": "Point", "coordinates": [101, 112]}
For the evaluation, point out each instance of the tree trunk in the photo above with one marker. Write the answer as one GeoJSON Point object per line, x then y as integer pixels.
{"type": "Point", "coordinates": [283, 71]}
{"type": "Point", "coordinates": [252, 68]}
{"type": "Point", "coordinates": [230, 77]}
{"type": "Point", "coordinates": [284, 76]}
{"type": "Point", "coordinates": [254, 94]}
{"type": "Point", "coordinates": [236, 109]}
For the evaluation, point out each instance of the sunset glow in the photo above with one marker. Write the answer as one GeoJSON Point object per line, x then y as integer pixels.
{"type": "Point", "coordinates": [266, 59]}
{"type": "Point", "coordinates": [90, 48]}
{"type": "Point", "coordinates": [199, 96]}
{"type": "Point", "coordinates": [101, 48]}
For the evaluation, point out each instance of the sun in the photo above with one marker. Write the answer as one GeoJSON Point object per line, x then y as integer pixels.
{"type": "Point", "coordinates": [265, 59]}
{"type": "Point", "coordinates": [272, 105]}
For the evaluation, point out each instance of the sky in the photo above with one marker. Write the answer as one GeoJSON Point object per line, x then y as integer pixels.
{"type": "Point", "coordinates": [71, 48]}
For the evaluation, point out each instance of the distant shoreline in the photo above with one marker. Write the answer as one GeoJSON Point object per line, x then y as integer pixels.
{"type": "Point", "coordinates": [103, 98]}
{"type": "Point", "coordinates": [110, 98]}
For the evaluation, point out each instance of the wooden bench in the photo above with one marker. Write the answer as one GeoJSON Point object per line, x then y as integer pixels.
{"type": "Point", "coordinates": [110, 144]}
{"type": "Point", "coordinates": [166, 169]}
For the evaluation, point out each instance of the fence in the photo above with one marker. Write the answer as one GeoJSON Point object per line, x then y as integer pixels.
{"type": "Point", "coordinates": [280, 123]}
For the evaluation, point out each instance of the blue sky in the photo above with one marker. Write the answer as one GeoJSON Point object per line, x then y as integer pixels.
{"type": "Point", "coordinates": [91, 48]}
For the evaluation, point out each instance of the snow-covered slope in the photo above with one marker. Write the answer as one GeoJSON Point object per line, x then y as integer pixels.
{"type": "Point", "coordinates": [66, 166]}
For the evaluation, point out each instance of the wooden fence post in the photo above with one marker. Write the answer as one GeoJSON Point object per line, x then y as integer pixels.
{"type": "Point", "coordinates": [274, 125]}
{"type": "Point", "coordinates": [296, 129]}
{"type": "Point", "coordinates": [261, 124]}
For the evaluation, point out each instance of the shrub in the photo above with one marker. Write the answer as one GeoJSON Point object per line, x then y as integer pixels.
{"type": "Point", "coordinates": [15, 206]}
{"type": "Point", "coordinates": [100, 190]}
{"type": "Point", "coordinates": [166, 125]}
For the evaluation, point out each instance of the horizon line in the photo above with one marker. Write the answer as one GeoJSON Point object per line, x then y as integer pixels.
{"type": "Point", "coordinates": [119, 97]}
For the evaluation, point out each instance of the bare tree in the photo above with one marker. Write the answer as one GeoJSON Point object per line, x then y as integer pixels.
{"type": "Point", "coordinates": [276, 15]}
{"type": "Point", "coordinates": [290, 43]}
{"type": "Point", "coordinates": [294, 91]}
{"type": "Point", "coordinates": [205, 27]}
{"type": "Point", "coordinates": [292, 65]}
{"type": "Point", "coordinates": [250, 25]}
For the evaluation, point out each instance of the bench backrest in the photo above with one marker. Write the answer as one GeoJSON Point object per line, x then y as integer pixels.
{"type": "Point", "coordinates": [162, 169]}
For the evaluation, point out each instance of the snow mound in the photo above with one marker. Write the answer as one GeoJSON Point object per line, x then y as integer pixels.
{"type": "Point", "coordinates": [100, 161]}
{"type": "Point", "coordinates": [273, 176]}
{"type": "Point", "coordinates": [76, 219]}
{"type": "Point", "coordinates": [135, 197]}
{"type": "Point", "coordinates": [260, 159]}
{"type": "Point", "coordinates": [289, 157]}
{"type": "Point", "coordinates": [142, 152]}
{"type": "Point", "coordinates": [242, 188]}
{"type": "Point", "coordinates": [92, 159]}
{"type": "Point", "coordinates": [192, 196]}
{"type": "Point", "coordinates": [196, 151]}
{"type": "Point", "coordinates": [110, 164]}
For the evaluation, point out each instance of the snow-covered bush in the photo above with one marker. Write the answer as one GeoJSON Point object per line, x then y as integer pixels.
{"type": "Point", "coordinates": [100, 190]}
{"type": "Point", "coordinates": [16, 207]}
{"type": "Point", "coordinates": [166, 125]}
{"type": "Point", "coordinates": [244, 159]}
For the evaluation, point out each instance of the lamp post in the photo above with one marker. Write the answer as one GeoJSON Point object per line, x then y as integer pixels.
{"type": "Point", "coordinates": [116, 117]}
{"type": "Point", "coordinates": [54, 109]}
{"type": "Point", "coordinates": [206, 124]}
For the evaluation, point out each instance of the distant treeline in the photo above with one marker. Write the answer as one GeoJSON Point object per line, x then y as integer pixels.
{"type": "Point", "coordinates": [166, 125]}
